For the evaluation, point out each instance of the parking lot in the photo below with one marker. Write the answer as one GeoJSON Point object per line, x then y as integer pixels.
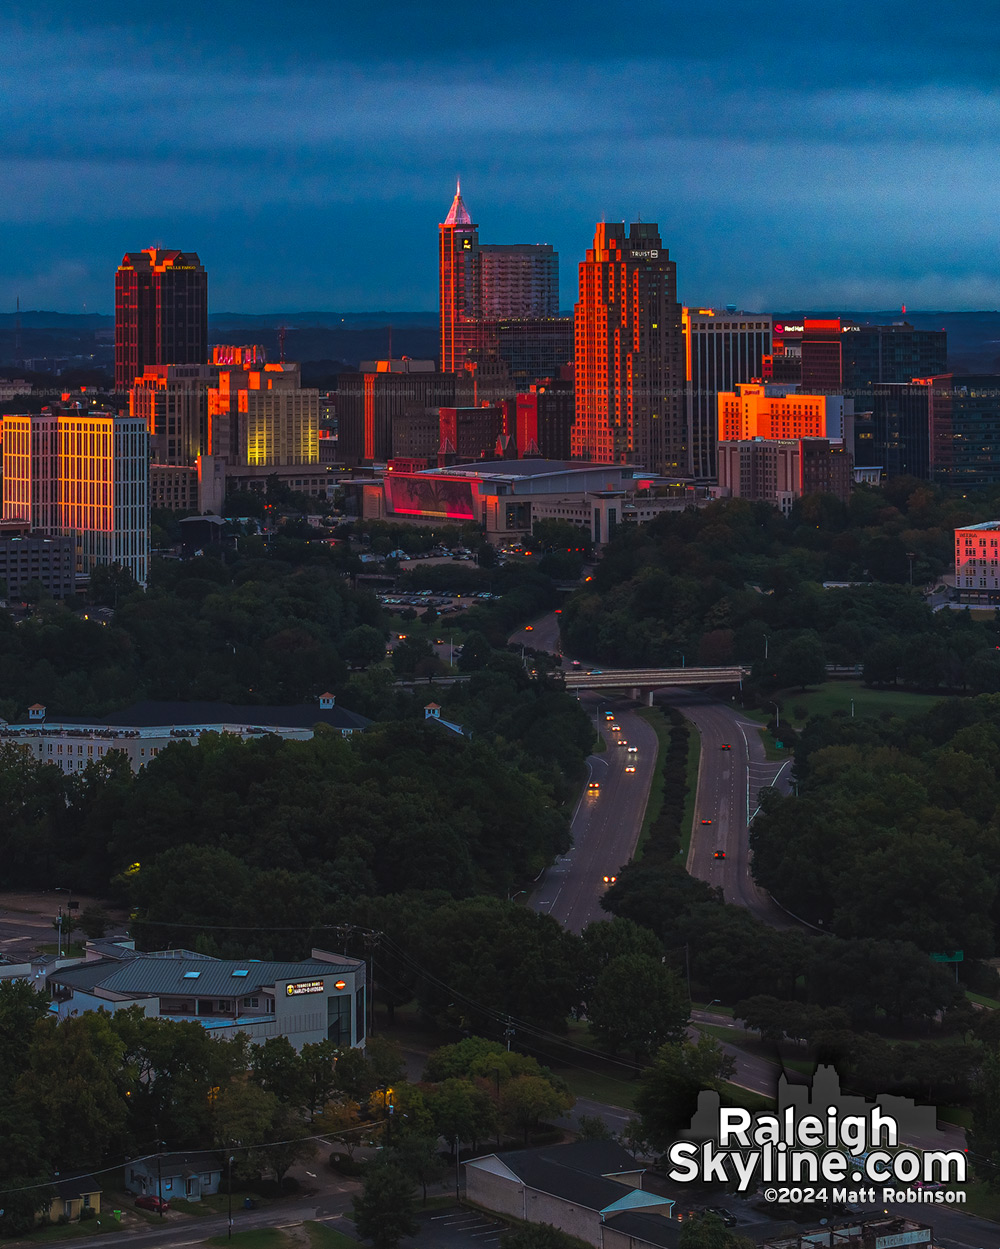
{"type": "Point", "coordinates": [456, 1229]}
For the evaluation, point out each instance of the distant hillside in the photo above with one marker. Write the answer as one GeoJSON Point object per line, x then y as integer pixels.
{"type": "Point", "coordinates": [350, 337]}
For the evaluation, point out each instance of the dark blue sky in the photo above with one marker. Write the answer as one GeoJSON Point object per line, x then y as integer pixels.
{"type": "Point", "coordinates": [794, 154]}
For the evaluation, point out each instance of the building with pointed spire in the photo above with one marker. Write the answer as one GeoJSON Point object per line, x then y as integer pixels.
{"type": "Point", "coordinates": [499, 303]}
{"type": "Point", "coordinates": [458, 252]}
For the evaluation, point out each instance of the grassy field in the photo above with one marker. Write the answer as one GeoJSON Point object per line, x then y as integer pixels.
{"type": "Point", "coordinates": [104, 1225]}
{"type": "Point", "coordinates": [691, 779]}
{"type": "Point", "coordinates": [982, 1201]}
{"type": "Point", "coordinates": [660, 726]}
{"type": "Point", "coordinates": [598, 1086]}
{"type": "Point", "coordinates": [833, 696]}
{"type": "Point", "coordinates": [323, 1237]}
{"type": "Point", "coordinates": [259, 1238]}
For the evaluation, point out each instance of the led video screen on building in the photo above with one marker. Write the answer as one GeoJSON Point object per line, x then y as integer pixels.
{"type": "Point", "coordinates": [419, 494]}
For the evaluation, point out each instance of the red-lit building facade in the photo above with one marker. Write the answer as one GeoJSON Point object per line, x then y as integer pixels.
{"type": "Point", "coordinates": [499, 303]}
{"type": "Point", "coordinates": [458, 251]}
{"type": "Point", "coordinates": [544, 420]}
{"type": "Point", "coordinates": [161, 312]}
{"type": "Point", "coordinates": [629, 353]}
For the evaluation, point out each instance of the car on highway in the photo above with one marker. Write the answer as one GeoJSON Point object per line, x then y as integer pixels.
{"type": "Point", "coordinates": [594, 787]}
{"type": "Point", "coordinates": [727, 1216]}
{"type": "Point", "coordinates": [633, 750]}
{"type": "Point", "coordinates": [610, 880]}
{"type": "Point", "coordinates": [609, 715]}
{"type": "Point", "coordinates": [621, 741]}
{"type": "Point", "coordinates": [615, 728]}
{"type": "Point", "coordinates": [706, 821]}
{"type": "Point", "coordinates": [439, 641]}
{"type": "Point", "coordinates": [630, 767]}
{"type": "Point", "coordinates": [150, 1201]}
{"type": "Point", "coordinates": [529, 628]}
{"type": "Point", "coordinates": [726, 746]}
{"type": "Point", "coordinates": [720, 854]}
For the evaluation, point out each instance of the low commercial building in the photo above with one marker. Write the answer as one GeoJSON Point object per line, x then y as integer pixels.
{"type": "Point", "coordinates": [306, 1001]}
{"type": "Point", "coordinates": [977, 563]}
{"type": "Point", "coordinates": [144, 729]}
{"type": "Point", "coordinates": [27, 558]}
{"type": "Point", "coordinates": [580, 1188]}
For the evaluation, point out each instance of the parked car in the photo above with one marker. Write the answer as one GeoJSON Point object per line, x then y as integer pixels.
{"type": "Point", "coordinates": [149, 1201]}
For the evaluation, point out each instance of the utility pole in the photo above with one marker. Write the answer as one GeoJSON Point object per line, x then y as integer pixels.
{"type": "Point", "coordinates": [509, 1031]}
{"type": "Point", "coordinates": [229, 1185]}
{"type": "Point", "coordinates": [159, 1178]}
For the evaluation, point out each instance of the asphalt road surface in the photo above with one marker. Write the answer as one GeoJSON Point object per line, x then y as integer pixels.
{"type": "Point", "coordinates": [728, 783]}
{"type": "Point", "coordinates": [606, 823]}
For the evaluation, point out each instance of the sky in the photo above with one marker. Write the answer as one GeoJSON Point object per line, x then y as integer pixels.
{"type": "Point", "coordinates": [795, 155]}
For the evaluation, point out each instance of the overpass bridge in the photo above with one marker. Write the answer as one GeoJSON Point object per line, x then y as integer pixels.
{"type": "Point", "coordinates": [645, 680]}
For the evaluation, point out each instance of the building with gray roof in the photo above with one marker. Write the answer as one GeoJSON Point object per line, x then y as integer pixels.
{"type": "Point", "coordinates": [309, 1000]}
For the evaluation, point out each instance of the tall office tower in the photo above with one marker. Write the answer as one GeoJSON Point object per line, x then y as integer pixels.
{"type": "Point", "coordinates": [896, 434]}
{"type": "Point", "coordinates": [529, 348]}
{"type": "Point", "coordinates": [67, 471]}
{"type": "Point", "coordinates": [964, 418]}
{"type": "Point", "coordinates": [498, 301]}
{"type": "Point", "coordinates": [721, 348]}
{"type": "Point", "coordinates": [161, 312]}
{"type": "Point", "coordinates": [518, 280]}
{"type": "Point", "coordinates": [458, 252]}
{"type": "Point", "coordinates": [629, 353]}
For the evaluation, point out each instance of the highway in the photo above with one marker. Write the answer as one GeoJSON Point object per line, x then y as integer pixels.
{"type": "Point", "coordinates": [728, 784]}
{"type": "Point", "coordinates": [605, 824]}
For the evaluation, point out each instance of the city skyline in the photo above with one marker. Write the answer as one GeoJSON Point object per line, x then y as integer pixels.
{"type": "Point", "coordinates": [844, 161]}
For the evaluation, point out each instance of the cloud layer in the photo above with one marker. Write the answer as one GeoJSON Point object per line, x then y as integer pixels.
{"type": "Point", "coordinates": [827, 156]}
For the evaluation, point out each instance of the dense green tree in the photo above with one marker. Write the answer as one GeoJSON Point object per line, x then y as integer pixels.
{"type": "Point", "coordinates": [668, 1095]}
{"type": "Point", "coordinates": [526, 1099]}
{"type": "Point", "coordinates": [384, 1211]}
{"type": "Point", "coordinates": [418, 1157]}
{"type": "Point", "coordinates": [637, 1004]}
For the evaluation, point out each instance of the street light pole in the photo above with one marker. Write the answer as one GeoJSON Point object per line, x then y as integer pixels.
{"type": "Point", "coordinates": [159, 1178]}
{"type": "Point", "coordinates": [229, 1185]}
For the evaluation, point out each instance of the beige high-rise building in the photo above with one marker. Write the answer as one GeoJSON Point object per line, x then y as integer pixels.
{"type": "Point", "coordinates": [264, 418]}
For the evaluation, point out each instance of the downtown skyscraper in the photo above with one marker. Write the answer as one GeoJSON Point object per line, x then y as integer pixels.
{"type": "Point", "coordinates": [630, 391]}
{"type": "Point", "coordinates": [161, 312]}
{"type": "Point", "coordinates": [499, 303]}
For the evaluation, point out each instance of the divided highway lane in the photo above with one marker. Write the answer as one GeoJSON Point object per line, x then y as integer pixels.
{"type": "Point", "coordinates": [605, 826]}
{"type": "Point", "coordinates": [728, 784]}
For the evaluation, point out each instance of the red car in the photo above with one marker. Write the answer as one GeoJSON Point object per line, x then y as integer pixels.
{"type": "Point", "coordinates": [151, 1202]}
